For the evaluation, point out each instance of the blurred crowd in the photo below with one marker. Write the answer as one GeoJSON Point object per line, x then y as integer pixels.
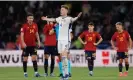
{"type": "Point", "coordinates": [104, 14]}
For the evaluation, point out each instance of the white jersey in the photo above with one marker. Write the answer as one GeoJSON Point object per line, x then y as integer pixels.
{"type": "Point", "coordinates": [64, 27]}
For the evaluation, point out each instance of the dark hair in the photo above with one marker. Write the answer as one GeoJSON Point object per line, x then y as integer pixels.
{"type": "Point", "coordinates": [119, 23]}
{"type": "Point", "coordinates": [30, 14]}
{"type": "Point", "coordinates": [91, 23]}
{"type": "Point", "coordinates": [64, 6]}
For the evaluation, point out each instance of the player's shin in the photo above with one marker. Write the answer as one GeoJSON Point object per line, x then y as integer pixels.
{"type": "Point", "coordinates": [46, 66]}
{"type": "Point", "coordinates": [52, 65]}
{"type": "Point", "coordinates": [35, 66]}
{"type": "Point", "coordinates": [127, 66]}
{"type": "Point", "coordinates": [69, 66]}
{"type": "Point", "coordinates": [65, 66]}
{"type": "Point", "coordinates": [25, 67]}
{"type": "Point", "coordinates": [60, 66]}
{"type": "Point", "coordinates": [120, 67]}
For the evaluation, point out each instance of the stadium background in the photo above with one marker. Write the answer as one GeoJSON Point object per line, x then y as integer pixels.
{"type": "Point", "coordinates": [103, 13]}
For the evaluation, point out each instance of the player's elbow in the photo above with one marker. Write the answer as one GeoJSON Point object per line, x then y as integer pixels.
{"type": "Point", "coordinates": [101, 39]}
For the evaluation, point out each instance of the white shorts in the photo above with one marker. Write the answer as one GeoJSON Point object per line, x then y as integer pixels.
{"type": "Point", "coordinates": [63, 45]}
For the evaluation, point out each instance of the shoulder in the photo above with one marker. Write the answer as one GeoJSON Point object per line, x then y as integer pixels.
{"type": "Point", "coordinates": [85, 32]}
{"type": "Point", "coordinates": [95, 32]}
{"type": "Point", "coordinates": [34, 24]}
{"type": "Point", "coordinates": [24, 25]}
{"type": "Point", "coordinates": [125, 31]}
{"type": "Point", "coordinates": [116, 33]}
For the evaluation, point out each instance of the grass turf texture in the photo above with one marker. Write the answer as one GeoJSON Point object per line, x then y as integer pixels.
{"type": "Point", "coordinates": [101, 73]}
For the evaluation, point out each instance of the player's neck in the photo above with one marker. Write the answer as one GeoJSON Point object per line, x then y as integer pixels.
{"type": "Point", "coordinates": [64, 16]}
{"type": "Point", "coordinates": [90, 30]}
{"type": "Point", "coordinates": [30, 23]}
{"type": "Point", "coordinates": [120, 31]}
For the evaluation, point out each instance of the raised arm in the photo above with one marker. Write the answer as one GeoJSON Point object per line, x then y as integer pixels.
{"type": "Point", "coordinates": [74, 19]}
{"type": "Point", "coordinates": [48, 19]}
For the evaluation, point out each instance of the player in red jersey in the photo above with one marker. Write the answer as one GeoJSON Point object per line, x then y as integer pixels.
{"type": "Point", "coordinates": [50, 47]}
{"type": "Point", "coordinates": [29, 34]}
{"type": "Point", "coordinates": [122, 38]}
{"type": "Point", "coordinates": [90, 44]}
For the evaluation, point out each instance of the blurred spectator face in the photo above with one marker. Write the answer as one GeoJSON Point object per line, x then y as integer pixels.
{"type": "Point", "coordinates": [30, 19]}
{"type": "Point", "coordinates": [119, 27]}
{"type": "Point", "coordinates": [91, 27]}
{"type": "Point", "coordinates": [63, 11]}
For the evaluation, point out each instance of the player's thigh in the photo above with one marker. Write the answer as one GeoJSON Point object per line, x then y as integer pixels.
{"type": "Point", "coordinates": [120, 55]}
{"type": "Point", "coordinates": [93, 57]}
{"type": "Point", "coordinates": [59, 46]}
{"type": "Point", "coordinates": [46, 52]}
{"type": "Point", "coordinates": [126, 57]}
{"type": "Point", "coordinates": [65, 48]}
{"type": "Point", "coordinates": [33, 52]}
{"type": "Point", "coordinates": [54, 52]}
{"type": "Point", "coordinates": [88, 55]}
{"type": "Point", "coordinates": [25, 54]}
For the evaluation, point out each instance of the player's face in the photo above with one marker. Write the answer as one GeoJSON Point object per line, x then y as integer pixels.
{"type": "Point", "coordinates": [30, 19]}
{"type": "Point", "coordinates": [63, 11]}
{"type": "Point", "coordinates": [91, 27]}
{"type": "Point", "coordinates": [119, 27]}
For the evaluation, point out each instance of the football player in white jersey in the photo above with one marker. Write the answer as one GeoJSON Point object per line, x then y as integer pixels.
{"type": "Point", "coordinates": [64, 22]}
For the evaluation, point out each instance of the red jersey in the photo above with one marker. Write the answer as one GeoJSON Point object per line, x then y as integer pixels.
{"type": "Point", "coordinates": [29, 33]}
{"type": "Point", "coordinates": [50, 40]}
{"type": "Point", "coordinates": [121, 41]}
{"type": "Point", "coordinates": [90, 38]}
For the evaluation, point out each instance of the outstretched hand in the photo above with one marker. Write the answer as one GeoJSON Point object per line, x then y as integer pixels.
{"type": "Point", "coordinates": [44, 18]}
{"type": "Point", "coordinates": [79, 14]}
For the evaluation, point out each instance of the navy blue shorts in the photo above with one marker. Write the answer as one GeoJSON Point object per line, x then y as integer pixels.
{"type": "Point", "coordinates": [51, 50]}
{"type": "Point", "coordinates": [29, 50]}
{"type": "Point", "coordinates": [90, 55]}
{"type": "Point", "coordinates": [122, 55]}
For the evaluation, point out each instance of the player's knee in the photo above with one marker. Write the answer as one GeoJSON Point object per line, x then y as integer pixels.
{"type": "Point", "coordinates": [25, 58]}
{"type": "Point", "coordinates": [68, 56]}
{"type": "Point", "coordinates": [34, 57]}
{"type": "Point", "coordinates": [121, 61]}
{"type": "Point", "coordinates": [126, 62]}
{"type": "Point", "coordinates": [53, 57]}
{"type": "Point", "coordinates": [89, 61]}
{"type": "Point", "coordinates": [46, 56]}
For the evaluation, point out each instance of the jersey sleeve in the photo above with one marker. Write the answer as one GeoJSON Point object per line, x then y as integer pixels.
{"type": "Point", "coordinates": [113, 37]}
{"type": "Point", "coordinates": [57, 19]}
{"type": "Point", "coordinates": [82, 35]}
{"type": "Point", "coordinates": [22, 29]}
{"type": "Point", "coordinates": [98, 36]}
{"type": "Point", "coordinates": [73, 19]}
{"type": "Point", "coordinates": [127, 35]}
{"type": "Point", "coordinates": [36, 27]}
{"type": "Point", "coordinates": [70, 30]}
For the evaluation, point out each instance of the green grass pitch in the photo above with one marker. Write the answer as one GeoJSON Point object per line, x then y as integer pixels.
{"type": "Point", "coordinates": [100, 73]}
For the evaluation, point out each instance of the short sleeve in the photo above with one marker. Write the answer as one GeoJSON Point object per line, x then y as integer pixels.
{"type": "Point", "coordinates": [22, 29]}
{"type": "Point", "coordinates": [36, 27]}
{"type": "Point", "coordinates": [82, 35]}
{"type": "Point", "coordinates": [70, 30]}
{"type": "Point", "coordinates": [127, 35]}
{"type": "Point", "coordinates": [113, 37]}
{"type": "Point", "coordinates": [57, 19]}
{"type": "Point", "coordinates": [98, 35]}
